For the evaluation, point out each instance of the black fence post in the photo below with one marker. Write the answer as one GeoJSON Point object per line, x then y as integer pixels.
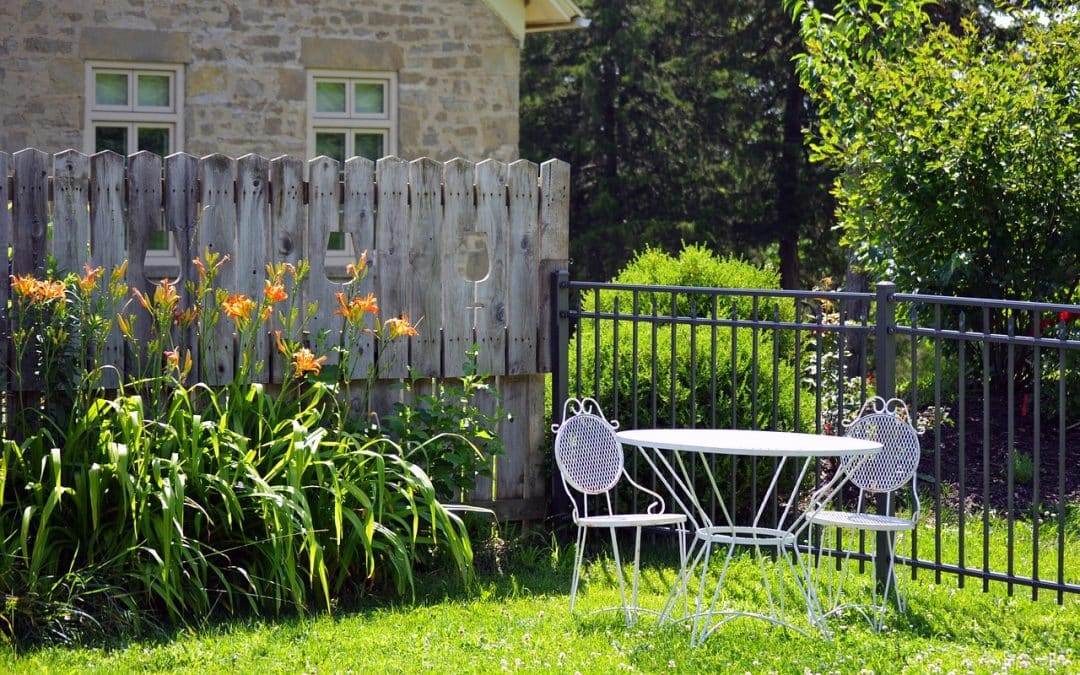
{"type": "Point", "coordinates": [885, 373]}
{"type": "Point", "coordinates": [560, 376]}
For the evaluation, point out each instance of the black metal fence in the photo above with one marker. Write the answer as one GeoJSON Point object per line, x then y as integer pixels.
{"type": "Point", "coordinates": [993, 385]}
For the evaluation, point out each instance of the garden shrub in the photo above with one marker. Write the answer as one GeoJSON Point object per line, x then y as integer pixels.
{"type": "Point", "coordinates": [168, 501]}
{"type": "Point", "coordinates": [672, 383]}
{"type": "Point", "coordinates": [685, 396]}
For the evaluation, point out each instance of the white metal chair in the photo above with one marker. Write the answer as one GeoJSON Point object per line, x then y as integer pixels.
{"type": "Point", "coordinates": [590, 459]}
{"type": "Point", "coordinates": [888, 423]}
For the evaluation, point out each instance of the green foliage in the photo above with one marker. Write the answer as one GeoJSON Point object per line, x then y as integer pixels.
{"type": "Point", "coordinates": [668, 372]}
{"type": "Point", "coordinates": [449, 430]}
{"type": "Point", "coordinates": [682, 121]}
{"type": "Point", "coordinates": [958, 158]}
{"type": "Point", "coordinates": [169, 502]}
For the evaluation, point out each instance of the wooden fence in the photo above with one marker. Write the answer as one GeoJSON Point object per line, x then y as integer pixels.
{"type": "Point", "coordinates": [464, 248]}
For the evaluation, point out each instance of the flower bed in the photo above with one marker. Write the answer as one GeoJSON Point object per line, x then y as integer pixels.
{"type": "Point", "coordinates": [157, 497]}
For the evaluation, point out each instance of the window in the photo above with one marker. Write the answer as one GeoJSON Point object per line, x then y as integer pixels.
{"type": "Point", "coordinates": [135, 107]}
{"type": "Point", "coordinates": [350, 115]}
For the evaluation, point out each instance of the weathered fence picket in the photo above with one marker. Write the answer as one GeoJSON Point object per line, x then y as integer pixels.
{"type": "Point", "coordinates": [460, 248]}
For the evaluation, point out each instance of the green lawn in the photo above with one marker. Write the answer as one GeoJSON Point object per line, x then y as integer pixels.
{"type": "Point", "coordinates": [518, 621]}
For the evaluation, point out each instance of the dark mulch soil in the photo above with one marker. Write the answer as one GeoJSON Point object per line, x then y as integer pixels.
{"type": "Point", "coordinates": [982, 458]}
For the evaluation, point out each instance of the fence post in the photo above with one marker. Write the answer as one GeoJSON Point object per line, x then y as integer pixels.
{"type": "Point", "coordinates": [885, 373]}
{"type": "Point", "coordinates": [560, 374]}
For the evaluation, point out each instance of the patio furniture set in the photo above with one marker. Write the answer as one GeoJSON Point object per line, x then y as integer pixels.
{"type": "Point", "coordinates": [878, 456]}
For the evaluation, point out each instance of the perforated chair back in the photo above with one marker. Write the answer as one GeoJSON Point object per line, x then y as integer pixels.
{"type": "Point", "coordinates": [886, 422]}
{"type": "Point", "coordinates": [589, 455]}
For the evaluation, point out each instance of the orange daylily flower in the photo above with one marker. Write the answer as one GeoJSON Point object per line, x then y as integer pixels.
{"type": "Point", "coordinates": [368, 303]}
{"type": "Point", "coordinates": [172, 358]}
{"type": "Point", "coordinates": [354, 309]}
{"type": "Point", "coordinates": [52, 290]}
{"type": "Point", "coordinates": [184, 317]}
{"type": "Point", "coordinates": [305, 362]}
{"type": "Point", "coordinates": [357, 269]}
{"type": "Point", "coordinates": [24, 286]}
{"type": "Point", "coordinates": [165, 294]}
{"type": "Point", "coordinates": [281, 346]}
{"type": "Point", "coordinates": [401, 326]}
{"type": "Point", "coordinates": [274, 292]}
{"type": "Point", "coordinates": [36, 290]}
{"type": "Point", "coordinates": [143, 300]}
{"type": "Point", "coordinates": [89, 281]}
{"type": "Point", "coordinates": [238, 307]}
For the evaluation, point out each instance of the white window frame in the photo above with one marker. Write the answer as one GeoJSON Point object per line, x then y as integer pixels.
{"type": "Point", "coordinates": [159, 262]}
{"type": "Point", "coordinates": [351, 122]}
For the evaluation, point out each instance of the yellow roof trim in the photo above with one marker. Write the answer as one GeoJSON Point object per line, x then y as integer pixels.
{"type": "Point", "coordinates": [530, 16]}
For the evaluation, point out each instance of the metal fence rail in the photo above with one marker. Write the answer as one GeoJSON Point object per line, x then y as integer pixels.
{"type": "Point", "coordinates": [995, 386]}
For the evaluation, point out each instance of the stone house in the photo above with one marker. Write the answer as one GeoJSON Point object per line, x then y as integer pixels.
{"type": "Point", "coordinates": [335, 77]}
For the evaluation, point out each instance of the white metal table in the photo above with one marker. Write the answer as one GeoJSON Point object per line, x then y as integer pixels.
{"type": "Point", "coordinates": [670, 451]}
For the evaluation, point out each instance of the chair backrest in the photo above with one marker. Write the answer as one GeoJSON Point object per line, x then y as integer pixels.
{"type": "Point", "coordinates": [589, 455]}
{"type": "Point", "coordinates": [888, 423]}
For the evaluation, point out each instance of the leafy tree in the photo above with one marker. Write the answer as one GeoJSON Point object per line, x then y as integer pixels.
{"type": "Point", "coordinates": [958, 158]}
{"type": "Point", "coordinates": [682, 120]}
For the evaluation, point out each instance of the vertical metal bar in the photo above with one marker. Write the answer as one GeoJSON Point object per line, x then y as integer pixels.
{"type": "Point", "coordinates": [754, 366]}
{"type": "Point", "coordinates": [937, 444]}
{"type": "Point", "coordinates": [1063, 333]}
{"type": "Point", "coordinates": [961, 384]}
{"type": "Point", "coordinates": [818, 358]}
{"type": "Point", "coordinates": [596, 342]}
{"type": "Point", "coordinates": [655, 337]}
{"type": "Point", "coordinates": [560, 375]}
{"type": "Point", "coordinates": [615, 414]}
{"type": "Point", "coordinates": [914, 317]}
{"type": "Point", "coordinates": [1036, 459]}
{"type": "Point", "coordinates": [713, 388]}
{"type": "Point", "coordinates": [885, 361]}
{"type": "Point", "coordinates": [693, 361]}
{"type": "Point", "coordinates": [673, 361]}
{"type": "Point", "coordinates": [734, 366]}
{"type": "Point", "coordinates": [776, 367]}
{"type": "Point", "coordinates": [712, 365]}
{"type": "Point", "coordinates": [986, 445]}
{"type": "Point", "coordinates": [754, 393]}
{"type": "Point", "coordinates": [693, 379]}
{"type": "Point", "coordinates": [1010, 457]}
{"type": "Point", "coordinates": [734, 396]}
{"type": "Point", "coordinates": [776, 398]}
{"type": "Point", "coordinates": [577, 352]}
{"type": "Point", "coordinates": [635, 360]}
{"type": "Point", "coordinates": [798, 370]}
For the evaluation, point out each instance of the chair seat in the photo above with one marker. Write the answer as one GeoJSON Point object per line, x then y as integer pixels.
{"type": "Point", "coordinates": [632, 520]}
{"type": "Point", "coordinates": [862, 521]}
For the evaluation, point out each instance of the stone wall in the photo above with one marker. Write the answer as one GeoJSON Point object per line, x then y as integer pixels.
{"type": "Point", "coordinates": [245, 62]}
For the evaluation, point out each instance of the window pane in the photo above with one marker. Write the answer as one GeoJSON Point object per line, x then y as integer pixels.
{"type": "Point", "coordinates": [111, 89]}
{"type": "Point", "coordinates": [154, 90]}
{"type": "Point", "coordinates": [330, 144]}
{"type": "Point", "coordinates": [336, 242]}
{"type": "Point", "coordinates": [330, 97]}
{"type": "Point", "coordinates": [368, 145]}
{"type": "Point", "coordinates": [369, 97]}
{"type": "Point", "coordinates": [110, 138]}
{"type": "Point", "coordinates": [155, 140]}
{"type": "Point", "coordinates": [159, 240]}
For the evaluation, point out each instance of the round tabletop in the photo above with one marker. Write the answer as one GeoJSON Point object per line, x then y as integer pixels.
{"type": "Point", "coordinates": [748, 442]}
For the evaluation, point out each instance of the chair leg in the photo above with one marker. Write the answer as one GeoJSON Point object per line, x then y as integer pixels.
{"type": "Point", "coordinates": [578, 555]}
{"type": "Point", "coordinates": [619, 575]}
{"type": "Point", "coordinates": [637, 574]}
